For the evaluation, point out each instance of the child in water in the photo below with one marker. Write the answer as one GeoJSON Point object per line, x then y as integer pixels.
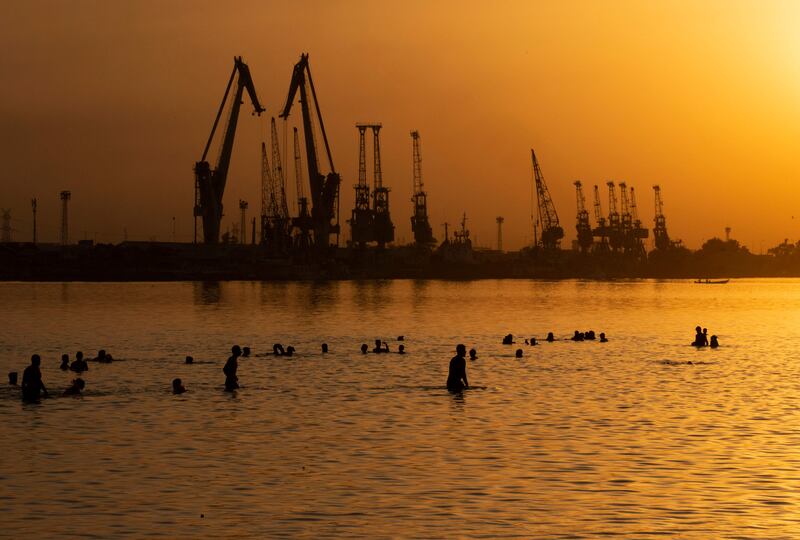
{"type": "Point", "coordinates": [177, 387]}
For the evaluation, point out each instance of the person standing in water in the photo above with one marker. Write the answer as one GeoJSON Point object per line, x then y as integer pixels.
{"type": "Point", "coordinates": [32, 385]}
{"type": "Point", "coordinates": [457, 375]}
{"type": "Point", "coordinates": [231, 380]}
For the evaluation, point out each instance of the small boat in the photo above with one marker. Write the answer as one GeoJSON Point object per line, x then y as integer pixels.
{"type": "Point", "coordinates": [712, 281]}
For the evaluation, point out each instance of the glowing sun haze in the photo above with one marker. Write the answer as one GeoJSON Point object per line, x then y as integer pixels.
{"type": "Point", "coordinates": [114, 101]}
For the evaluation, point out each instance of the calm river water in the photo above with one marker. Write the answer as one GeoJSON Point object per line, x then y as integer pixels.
{"type": "Point", "coordinates": [574, 440]}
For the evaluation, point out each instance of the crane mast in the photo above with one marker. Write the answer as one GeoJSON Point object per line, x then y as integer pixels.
{"type": "Point", "coordinates": [384, 229]}
{"type": "Point", "coordinates": [302, 223]}
{"type": "Point", "coordinates": [279, 178]}
{"type": "Point", "coordinates": [660, 234]}
{"type": "Point", "coordinates": [552, 233]}
{"type": "Point", "coordinates": [361, 220]}
{"type": "Point", "coordinates": [615, 237]}
{"type": "Point", "coordinates": [601, 231]}
{"type": "Point", "coordinates": [636, 233]}
{"type": "Point", "coordinates": [324, 187]}
{"type": "Point", "coordinates": [420, 226]}
{"type": "Point", "coordinates": [584, 229]}
{"type": "Point", "coordinates": [210, 183]}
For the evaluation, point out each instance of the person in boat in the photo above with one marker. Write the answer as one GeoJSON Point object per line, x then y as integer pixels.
{"type": "Point", "coordinates": [603, 337]}
{"type": "Point", "coordinates": [518, 354]}
{"type": "Point", "coordinates": [364, 348]}
{"type": "Point", "coordinates": [401, 349]}
{"type": "Point", "coordinates": [177, 386]}
{"type": "Point", "coordinates": [508, 339]}
{"type": "Point", "coordinates": [457, 373]}
{"type": "Point", "coordinates": [79, 365]}
{"type": "Point", "coordinates": [231, 379]}
{"type": "Point", "coordinates": [75, 388]}
{"type": "Point", "coordinates": [32, 385]}
{"type": "Point", "coordinates": [550, 337]}
{"type": "Point", "coordinates": [473, 354]}
{"type": "Point", "coordinates": [277, 350]}
{"type": "Point", "coordinates": [714, 343]}
{"type": "Point", "coordinates": [64, 362]}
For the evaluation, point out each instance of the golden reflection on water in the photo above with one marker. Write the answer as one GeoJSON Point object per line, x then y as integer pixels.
{"type": "Point", "coordinates": [642, 436]}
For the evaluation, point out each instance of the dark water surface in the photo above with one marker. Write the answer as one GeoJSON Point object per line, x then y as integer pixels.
{"type": "Point", "coordinates": [575, 440]}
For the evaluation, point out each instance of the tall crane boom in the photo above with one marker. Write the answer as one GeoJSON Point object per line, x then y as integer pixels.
{"type": "Point", "coordinates": [660, 234]}
{"type": "Point", "coordinates": [210, 183]}
{"type": "Point", "coordinates": [278, 177]}
{"type": "Point", "coordinates": [420, 226]}
{"type": "Point", "coordinates": [324, 187]}
{"type": "Point", "coordinates": [552, 233]}
{"type": "Point", "coordinates": [582, 226]}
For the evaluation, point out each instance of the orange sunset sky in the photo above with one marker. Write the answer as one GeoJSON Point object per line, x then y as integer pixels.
{"type": "Point", "coordinates": [114, 101]}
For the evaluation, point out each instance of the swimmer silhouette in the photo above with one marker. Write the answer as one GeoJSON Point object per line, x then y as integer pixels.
{"type": "Point", "coordinates": [75, 388]}
{"type": "Point", "coordinates": [64, 362]}
{"type": "Point", "coordinates": [380, 347]}
{"type": "Point", "coordinates": [589, 335]}
{"type": "Point", "coordinates": [324, 348]}
{"type": "Point", "coordinates": [102, 357]}
{"type": "Point", "coordinates": [12, 378]}
{"type": "Point", "coordinates": [245, 352]}
{"type": "Point", "coordinates": [364, 348]}
{"type": "Point", "coordinates": [577, 337]}
{"type": "Point", "coordinates": [550, 337]}
{"type": "Point", "coordinates": [289, 351]}
{"type": "Point", "coordinates": [400, 338]}
{"type": "Point", "coordinates": [714, 342]}
{"type": "Point", "coordinates": [519, 353]}
{"type": "Point", "coordinates": [177, 386]}
{"type": "Point", "coordinates": [457, 373]}
{"type": "Point", "coordinates": [401, 349]}
{"type": "Point", "coordinates": [231, 380]}
{"type": "Point", "coordinates": [698, 337]}
{"type": "Point", "coordinates": [277, 350]}
{"type": "Point", "coordinates": [705, 337]}
{"type": "Point", "coordinates": [32, 385]}
{"type": "Point", "coordinates": [533, 341]}
{"type": "Point", "coordinates": [603, 338]}
{"type": "Point", "coordinates": [473, 354]}
{"type": "Point", "coordinates": [508, 339]}
{"type": "Point", "coordinates": [189, 360]}
{"type": "Point", "coordinates": [79, 365]}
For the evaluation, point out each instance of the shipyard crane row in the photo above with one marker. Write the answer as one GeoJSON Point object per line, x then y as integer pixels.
{"type": "Point", "coordinates": [582, 225]}
{"type": "Point", "coordinates": [209, 183]}
{"type": "Point", "coordinates": [660, 234]}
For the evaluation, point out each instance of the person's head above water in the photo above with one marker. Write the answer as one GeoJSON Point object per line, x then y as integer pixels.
{"type": "Point", "coordinates": [35, 360]}
{"type": "Point", "coordinates": [79, 355]}
{"type": "Point", "coordinates": [697, 329]}
{"type": "Point", "coordinates": [461, 350]}
{"type": "Point", "coordinates": [550, 336]}
{"type": "Point", "coordinates": [324, 347]}
{"type": "Point", "coordinates": [101, 353]}
{"type": "Point", "coordinates": [64, 358]}
{"type": "Point", "coordinates": [177, 386]}
{"type": "Point", "coordinates": [236, 350]}
{"type": "Point", "coordinates": [519, 353]}
{"type": "Point", "coordinates": [246, 351]}
{"type": "Point", "coordinates": [473, 354]}
{"type": "Point", "coordinates": [364, 348]}
{"type": "Point", "coordinates": [189, 360]}
{"type": "Point", "coordinates": [401, 349]}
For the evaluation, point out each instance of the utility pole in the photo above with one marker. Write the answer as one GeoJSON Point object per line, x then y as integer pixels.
{"type": "Point", "coordinates": [243, 221]}
{"type": "Point", "coordinates": [33, 208]}
{"type": "Point", "coordinates": [65, 198]}
{"type": "Point", "coordinates": [6, 227]}
{"type": "Point", "coordinates": [500, 221]}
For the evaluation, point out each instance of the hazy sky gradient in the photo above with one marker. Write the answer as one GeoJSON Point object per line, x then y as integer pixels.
{"type": "Point", "coordinates": [115, 100]}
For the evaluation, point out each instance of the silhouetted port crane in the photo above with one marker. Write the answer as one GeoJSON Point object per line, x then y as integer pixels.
{"type": "Point", "coordinates": [302, 224]}
{"type": "Point", "coordinates": [324, 187]}
{"type": "Point", "coordinates": [275, 222]}
{"type": "Point", "coordinates": [420, 226]}
{"type": "Point", "coordinates": [615, 237]}
{"type": "Point", "coordinates": [584, 229]}
{"type": "Point", "coordinates": [384, 229]}
{"type": "Point", "coordinates": [210, 183]}
{"type": "Point", "coordinates": [552, 233]}
{"type": "Point", "coordinates": [660, 229]}
{"type": "Point", "coordinates": [601, 231]}
{"type": "Point", "coordinates": [361, 220]}
{"type": "Point", "coordinates": [637, 233]}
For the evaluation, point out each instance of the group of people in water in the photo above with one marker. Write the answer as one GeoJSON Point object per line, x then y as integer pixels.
{"type": "Point", "coordinates": [701, 338]}
{"type": "Point", "coordinates": [33, 387]}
